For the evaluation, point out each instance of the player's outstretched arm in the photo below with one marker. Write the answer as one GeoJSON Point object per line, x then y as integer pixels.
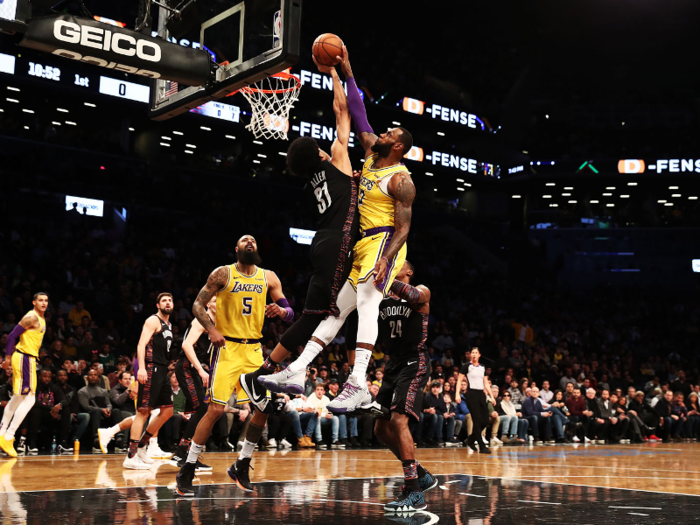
{"type": "Point", "coordinates": [280, 308]}
{"type": "Point", "coordinates": [402, 189]}
{"type": "Point", "coordinates": [340, 158]}
{"type": "Point", "coordinates": [416, 296]}
{"type": "Point", "coordinates": [356, 106]}
{"type": "Point", "coordinates": [217, 281]}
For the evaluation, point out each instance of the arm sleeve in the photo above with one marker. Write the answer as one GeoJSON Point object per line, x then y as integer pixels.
{"type": "Point", "coordinates": [405, 291]}
{"type": "Point", "coordinates": [283, 303]}
{"type": "Point", "coordinates": [357, 108]}
{"type": "Point", "coordinates": [12, 338]}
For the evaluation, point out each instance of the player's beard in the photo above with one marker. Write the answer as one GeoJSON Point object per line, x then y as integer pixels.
{"type": "Point", "coordinates": [382, 149]}
{"type": "Point", "coordinates": [248, 258]}
{"type": "Point", "coordinates": [166, 311]}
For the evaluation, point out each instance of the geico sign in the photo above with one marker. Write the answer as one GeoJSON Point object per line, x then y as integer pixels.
{"type": "Point", "coordinates": [631, 166]}
{"type": "Point", "coordinates": [676, 165]}
{"type": "Point", "coordinates": [106, 40]}
{"type": "Point", "coordinates": [415, 153]}
{"type": "Point", "coordinates": [453, 161]}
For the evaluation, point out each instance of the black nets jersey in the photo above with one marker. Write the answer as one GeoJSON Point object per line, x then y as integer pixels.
{"type": "Point", "coordinates": [202, 348]}
{"type": "Point", "coordinates": [334, 197]}
{"type": "Point", "coordinates": [158, 348]}
{"type": "Point", "coordinates": [403, 331]}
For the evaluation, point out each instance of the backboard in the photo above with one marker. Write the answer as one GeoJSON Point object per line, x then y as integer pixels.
{"type": "Point", "coordinates": [248, 40]}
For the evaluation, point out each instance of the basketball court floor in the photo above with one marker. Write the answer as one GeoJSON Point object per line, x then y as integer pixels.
{"type": "Point", "coordinates": [633, 484]}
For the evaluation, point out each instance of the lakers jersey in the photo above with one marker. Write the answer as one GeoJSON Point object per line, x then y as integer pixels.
{"type": "Point", "coordinates": [30, 340]}
{"type": "Point", "coordinates": [375, 204]}
{"type": "Point", "coordinates": [240, 306]}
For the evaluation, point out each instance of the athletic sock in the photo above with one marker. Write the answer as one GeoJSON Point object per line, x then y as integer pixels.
{"type": "Point", "coordinates": [359, 371]}
{"type": "Point", "coordinates": [114, 430]}
{"type": "Point", "coordinates": [195, 451]}
{"type": "Point", "coordinates": [410, 474]}
{"type": "Point", "coordinates": [133, 447]}
{"type": "Point", "coordinates": [247, 450]}
{"type": "Point", "coordinates": [307, 356]}
{"type": "Point", "coordinates": [268, 367]}
{"type": "Point", "coordinates": [145, 439]}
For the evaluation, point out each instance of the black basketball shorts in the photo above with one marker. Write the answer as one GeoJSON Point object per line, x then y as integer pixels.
{"type": "Point", "coordinates": [156, 391]}
{"type": "Point", "coordinates": [403, 384]}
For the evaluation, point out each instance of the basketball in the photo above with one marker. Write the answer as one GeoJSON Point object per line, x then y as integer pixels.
{"type": "Point", "coordinates": [326, 48]}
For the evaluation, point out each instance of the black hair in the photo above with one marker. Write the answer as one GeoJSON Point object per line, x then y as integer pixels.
{"type": "Point", "coordinates": [36, 295]}
{"type": "Point", "coordinates": [413, 271]}
{"type": "Point", "coordinates": [406, 139]}
{"type": "Point", "coordinates": [302, 157]}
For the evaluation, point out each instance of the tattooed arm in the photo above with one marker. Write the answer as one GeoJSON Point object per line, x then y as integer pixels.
{"type": "Point", "coordinates": [217, 281]}
{"type": "Point", "coordinates": [402, 189]}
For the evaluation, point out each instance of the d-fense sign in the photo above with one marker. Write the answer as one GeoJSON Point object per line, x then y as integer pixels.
{"type": "Point", "coordinates": [92, 207]}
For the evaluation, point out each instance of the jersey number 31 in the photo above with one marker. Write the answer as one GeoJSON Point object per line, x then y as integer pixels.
{"type": "Point", "coordinates": [323, 197]}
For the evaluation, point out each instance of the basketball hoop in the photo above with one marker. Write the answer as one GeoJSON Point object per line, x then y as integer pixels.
{"type": "Point", "coordinates": [271, 99]}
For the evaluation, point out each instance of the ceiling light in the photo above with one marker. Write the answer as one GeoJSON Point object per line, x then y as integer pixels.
{"type": "Point", "coordinates": [131, 129]}
{"type": "Point", "coordinates": [12, 100]}
{"type": "Point", "coordinates": [56, 123]}
{"type": "Point", "coordinates": [166, 138]}
{"type": "Point", "coordinates": [550, 184]}
{"type": "Point", "coordinates": [676, 195]}
{"type": "Point", "coordinates": [460, 188]}
{"type": "Point", "coordinates": [165, 144]}
{"type": "Point", "coordinates": [28, 111]}
{"type": "Point", "coordinates": [191, 146]}
{"type": "Point", "coordinates": [435, 189]}
{"type": "Point", "coordinates": [668, 204]}
{"type": "Point", "coordinates": [441, 133]}
{"type": "Point", "coordinates": [62, 110]}
{"type": "Point", "coordinates": [607, 194]}
{"type": "Point", "coordinates": [610, 205]}
{"type": "Point", "coordinates": [673, 187]}
{"type": "Point", "coordinates": [256, 161]}
{"type": "Point", "coordinates": [566, 194]}
{"type": "Point", "coordinates": [396, 123]}
{"type": "Point", "coordinates": [610, 188]}
{"type": "Point", "coordinates": [283, 153]}
{"type": "Point", "coordinates": [90, 104]}
{"type": "Point", "coordinates": [190, 152]}
{"type": "Point", "coordinates": [261, 155]}
{"type": "Point", "coordinates": [205, 128]}
{"type": "Point", "coordinates": [661, 201]}
{"type": "Point", "coordinates": [553, 205]}
{"type": "Point", "coordinates": [460, 180]}
{"type": "Point", "coordinates": [631, 183]}
{"type": "Point", "coordinates": [569, 188]}
{"type": "Point", "coordinates": [26, 127]}
{"type": "Point", "coordinates": [624, 196]}
{"type": "Point", "coordinates": [572, 202]}
{"type": "Point", "coordinates": [178, 133]}
{"type": "Point", "coordinates": [71, 123]}
{"type": "Point", "coordinates": [546, 116]}
{"type": "Point", "coordinates": [595, 202]}
{"type": "Point", "coordinates": [12, 88]}
{"type": "Point", "coordinates": [692, 198]}
{"type": "Point", "coordinates": [546, 196]}
{"type": "Point", "coordinates": [230, 137]}
{"type": "Point", "coordinates": [260, 143]}
{"type": "Point", "coordinates": [516, 196]}
{"type": "Point", "coordinates": [428, 174]}
{"type": "Point", "coordinates": [467, 184]}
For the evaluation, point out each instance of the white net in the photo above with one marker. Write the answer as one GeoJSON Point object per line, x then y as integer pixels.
{"type": "Point", "coordinates": [270, 100]}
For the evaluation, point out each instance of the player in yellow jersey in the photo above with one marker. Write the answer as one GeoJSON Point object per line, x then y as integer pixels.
{"type": "Point", "coordinates": [241, 292]}
{"type": "Point", "coordinates": [22, 357]}
{"type": "Point", "coordinates": [385, 201]}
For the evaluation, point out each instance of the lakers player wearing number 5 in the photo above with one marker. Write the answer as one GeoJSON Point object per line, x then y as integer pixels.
{"type": "Point", "coordinates": [241, 291]}
{"type": "Point", "coordinates": [153, 354]}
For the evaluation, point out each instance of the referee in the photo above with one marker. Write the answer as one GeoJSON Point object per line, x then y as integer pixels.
{"type": "Point", "coordinates": [479, 387]}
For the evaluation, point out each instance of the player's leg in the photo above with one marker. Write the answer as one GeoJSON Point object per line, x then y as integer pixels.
{"type": "Point", "coordinates": [105, 435]}
{"type": "Point", "coordinates": [24, 389]}
{"type": "Point", "coordinates": [291, 380]}
{"type": "Point", "coordinates": [165, 412]}
{"type": "Point", "coordinates": [191, 384]}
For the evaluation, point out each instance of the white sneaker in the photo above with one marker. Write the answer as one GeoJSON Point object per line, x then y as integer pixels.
{"type": "Point", "coordinates": [496, 441]}
{"type": "Point", "coordinates": [586, 440]}
{"type": "Point", "coordinates": [575, 439]}
{"type": "Point", "coordinates": [285, 382]}
{"type": "Point", "coordinates": [272, 443]}
{"type": "Point", "coordinates": [530, 439]}
{"type": "Point", "coordinates": [285, 444]}
{"type": "Point", "coordinates": [135, 463]}
{"type": "Point", "coordinates": [353, 396]}
{"type": "Point", "coordinates": [143, 456]}
{"type": "Point", "coordinates": [104, 435]}
{"type": "Point", "coordinates": [154, 451]}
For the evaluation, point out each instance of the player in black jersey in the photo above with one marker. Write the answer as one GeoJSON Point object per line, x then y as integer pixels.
{"type": "Point", "coordinates": [403, 330]}
{"type": "Point", "coordinates": [332, 191]}
{"type": "Point", "coordinates": [153, 352]}
{"type": "Point", "coordinates": [194, 380]}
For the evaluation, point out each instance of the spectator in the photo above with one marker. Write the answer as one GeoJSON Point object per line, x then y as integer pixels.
{"type": "Point", "coordinates": [102, 381]}
{"type": "Point", "coordinates": [94, 399]}
{"type": "Point", "coordinates": [70, 403]}
{"type": "Point", "coordinates": [516, 394]}
{"type": "Point", "coordinates": [342, 418]}
{"type": "Point", "coordinates": [122, 398]}
{"type": "Point", "coordinates": [546, 395]}
{"type": "Point", "coordinates": [494, 419]}
{"type": "Point", "coordinates": [568, 378]}
{"type": "Point", "coordinates": [318, 402]}
{"type": "Point", "coordinates": [635, 424]}
{"type": "Point", "coordinates": [379, 376]}
{"type": "Point", "coordinates": [279, 423]}
{"type": "Point", "coordinates": [513, 428]}
{"type": "Point", "coordinates": [308, 418]}
{"type": "Point", "coordinates": [693, 422]}
{"type": "Point", "coordinates": [463, 419]}
{"type": "Point", "coordinates": [450, 420]}
{"type": "Point", "coordinates": [618, 423]}
{"type": "Point", "coordinates": [106, 359]}
{"type": "Point", "coordinates": [515, 362]}
{"type": "Point", "coordinates": [48, 414]}
{"type": "Point", "coordinates": [598, 426]}
{"type": "Point", "coordinates": [538, 417]}
{"type": "Point", "coordinates": [681, 385]}
{"type": "Point", "coordinates": [113, 377]}
{"type": "Point", "coordinates": [434, 415]}
{"type": "Point", "coordinates": [76, 314]}
{"type": "Point", "coordinates": [680, 410]}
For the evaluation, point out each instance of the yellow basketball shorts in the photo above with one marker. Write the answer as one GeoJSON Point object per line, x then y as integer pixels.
{"type": "Point", "coordinates": [227, 364]}
{"type": "Point", "coordinates": [367, 252]}
{"type": "Point", "coordinates": [23, 374]}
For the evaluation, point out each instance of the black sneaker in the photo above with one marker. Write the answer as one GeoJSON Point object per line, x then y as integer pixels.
{"type": "Point", "coordinates": [345, 442]}
{"type": "Point", "coordinates": [201, 467]}
{"type": "Point", "coordinates": [355, 443]}
{"type": "Point", "coordinates": [256, 392]}
{"type": "Point", "coordinates": [184, 480]}
{"type": "Point", "coordinates": [238, 472]}
{"type": "Point", "coordinates": [407, 502]}
{"type": "Point", "coordinates": [427, 482]}
{"type": "Point", "coordinates": [321, 446]}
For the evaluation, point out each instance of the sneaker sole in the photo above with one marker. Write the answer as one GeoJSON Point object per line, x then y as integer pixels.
{"type": "Point", "coordinates": [203, 469]}
{"type": "Point", "coordinates": [392, 510]}
{"type": "Point", "coordinates": [279, 389]}
{"type": "Point", "coordinates": [236, 481]}
{"type": "Point", "coordinates": [435, 483]}
{"type": "Point", "coordinates": [132, 467]}
{"type": "Point", "coordinates": [185, 494]}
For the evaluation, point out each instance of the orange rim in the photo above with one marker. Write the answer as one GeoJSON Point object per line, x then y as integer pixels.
{"type": "Point", "coordinates": [283, 75]}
